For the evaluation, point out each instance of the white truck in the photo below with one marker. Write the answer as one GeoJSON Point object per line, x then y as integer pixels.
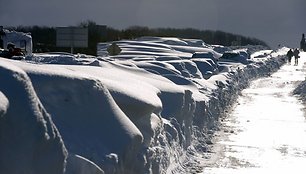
{"type": "Point", "coordinates": [20, 41]}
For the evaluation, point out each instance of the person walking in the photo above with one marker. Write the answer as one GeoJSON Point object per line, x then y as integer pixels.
{"type": "Point", "coordinates": [289, 55]}
{"type": "Point", "coordinates": [296, 53]}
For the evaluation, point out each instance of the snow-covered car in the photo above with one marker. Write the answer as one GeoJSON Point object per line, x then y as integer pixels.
{"type": "Point", "coordinates": [17, 55]}
{"type": "Point", "coordinates": [206, 66]}
{"type": "Point", "coordinates": [234, 56]}
{"type": "Point", "coordinates": [202, 55]}
{"type": "Point", "coordinates": [245, 54]}
{"type": "Point", "coordinates": [220, 49]}
{"type": "Point", "coordinates": [3, 53]}
{"type": "Point", "coordinates": [187, 68]}
{"type": "Point", "coordinates": [157, 68]}
{"type": "Point", "coordinates": [207, 55]}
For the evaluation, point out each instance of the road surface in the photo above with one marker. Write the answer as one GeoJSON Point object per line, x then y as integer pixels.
{"type": "Point", "coordinates": [266, 130]}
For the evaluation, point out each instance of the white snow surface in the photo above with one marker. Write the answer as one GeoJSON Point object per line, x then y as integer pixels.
{"type": "Point", "coordinates": [149, 109]}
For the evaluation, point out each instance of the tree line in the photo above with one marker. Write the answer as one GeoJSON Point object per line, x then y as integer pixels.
{"type": "Point", "coordinates": [44, 38]}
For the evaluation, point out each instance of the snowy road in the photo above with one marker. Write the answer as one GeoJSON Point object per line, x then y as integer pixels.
{"type": "Point", "coordinates": [266, 130]}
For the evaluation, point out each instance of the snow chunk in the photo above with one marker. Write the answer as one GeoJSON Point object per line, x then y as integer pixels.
{"type": "Point", "coordinates": [4, 104]}
{"type": "Point", "coordinates": [79, 165]}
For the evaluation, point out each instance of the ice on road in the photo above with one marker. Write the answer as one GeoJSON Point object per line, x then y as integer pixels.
{"type": "Point", "coordinates": [266, 131]}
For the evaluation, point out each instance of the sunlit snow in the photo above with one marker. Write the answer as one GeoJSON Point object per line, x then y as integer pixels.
{"type": "Point", "coordinates": [268, 125]}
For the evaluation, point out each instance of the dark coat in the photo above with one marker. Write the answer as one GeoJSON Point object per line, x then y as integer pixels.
{"type": "Point", "coordinates": [296, 53]}
{"type": "Point", "coordinates": [290, 53]}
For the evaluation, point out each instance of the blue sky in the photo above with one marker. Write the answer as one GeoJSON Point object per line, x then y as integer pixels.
{"type": "Point", "coordinates": [274, 21]}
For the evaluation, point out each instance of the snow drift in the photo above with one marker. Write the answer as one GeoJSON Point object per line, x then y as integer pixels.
{"type": "Point", "coordinates": [150, 109]}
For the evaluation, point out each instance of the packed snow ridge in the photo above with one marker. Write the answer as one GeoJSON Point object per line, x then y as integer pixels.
{"type": "Point", "coordinates": [150, 109]}
{"type": "Point", "coordinates": [301, 88]}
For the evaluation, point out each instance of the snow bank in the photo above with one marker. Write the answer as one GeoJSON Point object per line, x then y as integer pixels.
{"type": "Point", "coordinates": [301, 88]}
{"type": "Point", "coordinates": [150, 109]}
